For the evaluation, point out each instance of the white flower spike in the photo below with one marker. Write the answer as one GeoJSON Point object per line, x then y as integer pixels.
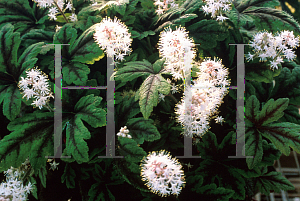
{"type": "Point", "coordinates": [162, 173]}
{"type": "Point", "coordinates": [176, 47]}
{"type": "Point", "coordinates": [206, 94]}
{"type": "Point", "coordinates": [113, 37]}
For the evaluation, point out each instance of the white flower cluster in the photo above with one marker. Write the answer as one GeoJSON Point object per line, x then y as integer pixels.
{"type": "Point", "coordinates": [13, 189]}
{"type": "Point", "coordinates": [203, 97]}
{"type": "Point", "coordinates": [124, 132]}
{"type": "Point", "coordinates": [113, 36]}
{"type": "Point", "coordinates": [176, 48]}
{"type": "Point", "coordinates": [40, 87]}
{"type": "Point", "coordinates": [54, 9]}
{"type": "Point", "coordinates": [217, 8]}
{"type": "Point", "coordinates": [162, 173]}
{"type": "Point", "coordinates": [165, 5]}
{"type": "Point", "coordinates": [274, 47]}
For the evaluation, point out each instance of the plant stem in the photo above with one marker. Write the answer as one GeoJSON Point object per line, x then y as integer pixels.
{"type": "Point", "coordinates": [173, 97]}
{"type": "Point", "coordinates": [61, 11]}
{"type": "Point", "coordinates": [80, 188]}
{"type": "Point", "coordinates": [49, 108]}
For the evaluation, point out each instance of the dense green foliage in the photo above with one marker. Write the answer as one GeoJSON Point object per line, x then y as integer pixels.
{"type": "Point", "coordinates": [271, 114]}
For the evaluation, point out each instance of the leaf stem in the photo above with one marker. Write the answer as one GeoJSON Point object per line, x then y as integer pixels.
{"type": "Point", "coordinates": [61, 11]}
{"type": "Point", "coordinates": [173, 97]}
{"type": "Point", "coordinates": [48, 107]}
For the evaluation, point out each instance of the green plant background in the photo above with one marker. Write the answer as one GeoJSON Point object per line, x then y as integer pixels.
{"type": "Point", "coordinates": [271, 113]}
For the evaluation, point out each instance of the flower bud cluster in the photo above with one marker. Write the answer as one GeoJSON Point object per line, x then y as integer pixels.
{"type": "Point", "coordinates": [176, 47]}
{"type": "Point", "coordinates": [202, 99]}
{"type": "Point", "coordinates": [36, 85]}
{"type": "Point", "coordinates": [162, 173]}
{"type": "Point", "coordinates": [266, 45]}
{"type": "Point", "coordinates": [165, 5]}
{"type": "Point", "coordinates": [113, 37]}
{"type": "Point", "coordinates": [217, 8]}
{"type": "Point", "coordinates": [14, 189]}
{"type": "Point", "coordinates": [124, 132]}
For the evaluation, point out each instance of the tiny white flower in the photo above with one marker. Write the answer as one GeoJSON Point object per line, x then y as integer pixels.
{"type": "Point", "coordinates": [52, 16]}
{"type": "Point", "coordinates": [219, 119]}
{"type": "Point", "coordinates": [54, 165]}
{"type": "Point", "coordinates": [164, 6]}
{"type": "Point", "coordinates": [69, 6]}
{"type": "Point", "coordinates": [161, 96]}
{"type": "Point", "coordinates": [53, 10]}
{"type": "Point", "coordinates": [73, 17]}
{"type": "Point", "coordinates": [222, 18]}
{"type": "Point", "coordinates": [57, 28]}
{"type": "Point", "coordinates": [174, 89]}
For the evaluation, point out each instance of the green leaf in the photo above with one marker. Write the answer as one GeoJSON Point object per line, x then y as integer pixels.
{"type": "Point", "coordinates": [80, 52]}
{"type": "Point", "coordinates": [260, 72]}
{"type": "Point", "coordinates": [272, 20]}
{"type": "Point", "coordinates": [86, 22]}
{"type": "Point", "coordinates": [145, 34]}
{"type": "Point", "coordinates": [252, 109]}
{"type": "Point", "coordinates": [28, 58]}
{"type": "Point", "coordinates": [270, 154]}
{"type": "Point", "coordinates": [12, 102]}
{"type": "Point", "coordinates": [272, 111]}
{"type": "Point", "coordinates": [69, 176]}
{"type": "Point", "coordinates": [208, 142]}
{"type": "Point", "coordinates": [120, 8]}
{"type": "Point", "coordinates": [135, 69]}
{"type": "Point", "coordinates": [12, 67]}
{"type": "Point", "coordinates": [75, 72]}
{"type": "Point", "coordinates": [287, 85]}
{"type": "Point", "coordinates": [32, 180]}
{"type": "Point", "coordinates": [220, 193]}
{"type": "Point", "coordinates": [148, 93]}
{"type": "Point", "coordinates": [141, 129]}
{"type": "Point", "coordinates": [253, 148]}
{"type": "Point", "coordinates": [85, 49]}
{"type": "Point", "coordinates": [36, 36]}
{"type": "Point", "coordinates": [10, 42]}
{"type": "Point", "coordinates": [263, 14]}
{"type": "Point", "coordinates": [154, 83]}
{"type": "Point", "coordinates": [207, 33]}
{"type": "Point", "coordinates": [32, 135]}
{"type": "Point", "coordinates": [291, 114]}
{"type": "Point", "coordinates": [130, 165]}
{"type": "Point", "coordinates": [126, 109]}
{"type": "Point", "coordinates": [87, 109]}
{"type": "Point", "coordinates": [66, 35]}
{"type": "Point", "coordinates": [21, 15]}
{"type": "Point", "coordinates": [178, 16]}
{"type": "Point", "coordinates": [95, 194]}
{"type": "Point", "coordinates": [42, 175]}
{"type": "Point", "coordinates": [61, 19]}
{"type": "Point", "coordinates": [283, 136]}
{"type": "Point", "coordinates": [273, 181]}
{"type": "Point", "coordinates": [158, 66]}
